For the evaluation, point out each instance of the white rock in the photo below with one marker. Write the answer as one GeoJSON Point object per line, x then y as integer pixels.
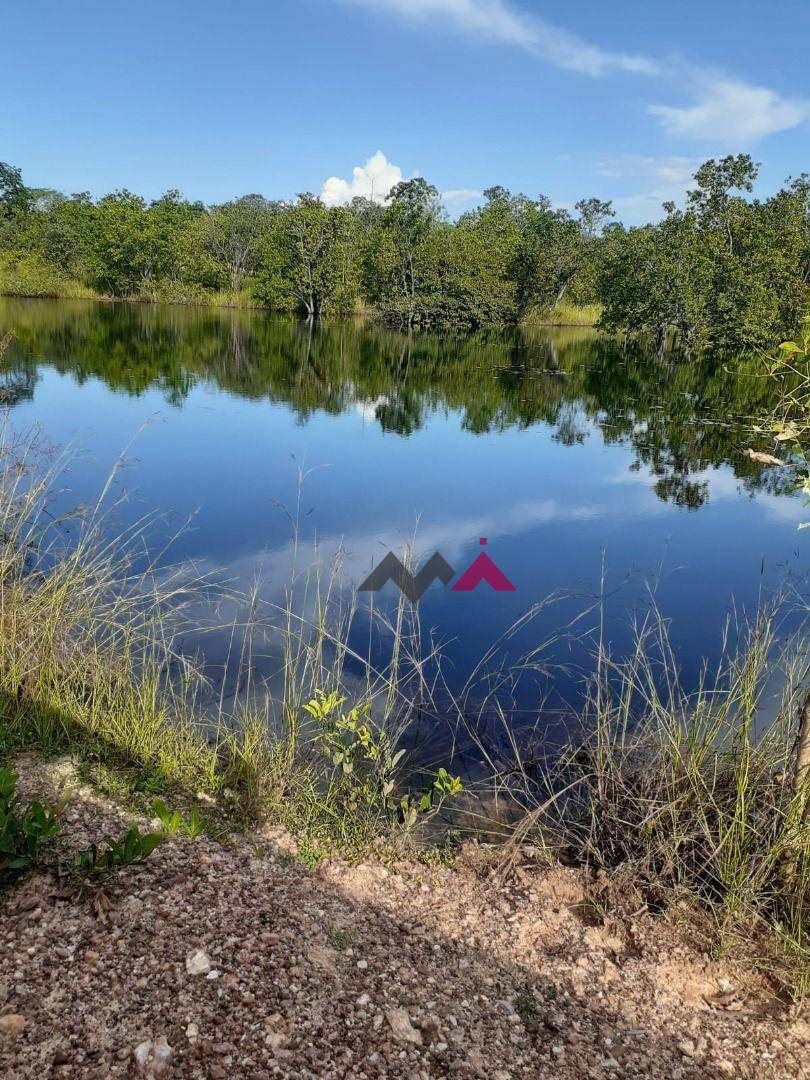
{"type": "Point", "coordinates": [193, 1032]}
{"type": "Point", "coordinates": [162, 1056]}
{"type": "Point", "coordinates": [152, 1058]}
{"type": "Point", "coordinates": [275, 1040]}
{"type": "Point", "coordinates": [198, 963]}
{"type": "Point", "coordinates": [142, 1053]}
{"type": "Point", "coordinates": [402, 1027]}
{"type": "Point", "coordinates": [363, 1000]}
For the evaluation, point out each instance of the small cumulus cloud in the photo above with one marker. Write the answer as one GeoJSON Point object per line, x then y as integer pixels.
{"type": "Point", "coordinates": [731, 112]}
{"type": "Point", "coordinates": [373, 180]}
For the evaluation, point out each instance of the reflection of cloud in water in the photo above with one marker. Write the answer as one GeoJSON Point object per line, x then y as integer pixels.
{"type": "Point", "coordinates": [251, 608]}
{"type": "Point", "coordinates": [253, 591]}
{"type": "Point", "coordinates": [367, 410]}
{"type": "Point", "coordinates": [267, 574]}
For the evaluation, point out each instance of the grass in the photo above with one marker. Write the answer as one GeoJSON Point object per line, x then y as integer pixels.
{"type": "Point", "coordinates": [91, 664]}
{"type": "Point", "coordinates": [27, 275]}
{"type": "Point", "coordinates": [177, 292]}
{"type": "Point", "coordinates": [664, 795]}
{"type": "Point", "coordinates": [24, 274]}
{"type": "Point", "coordinates": [566, 314]}
{"type": "Point", "coordinates": [674, 796]}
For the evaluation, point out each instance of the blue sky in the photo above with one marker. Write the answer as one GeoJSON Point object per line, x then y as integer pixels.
{"type": "Point", "coordinates": [618, 100]}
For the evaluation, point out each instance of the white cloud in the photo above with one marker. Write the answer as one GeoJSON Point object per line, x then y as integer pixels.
{"type": "Point", "coordinates": [459, 196]}
{"type": "Point", "coordinates": [643, 208]}
{"type": "Point", "coordinates": [673, 170]}
{"type": "Point", "coordinates": [499, 21]}
{"type": "Point", "coordinates": [373, 181]}
{"type": "Point", "coordinates": [732, 112]}
{"type": "Point", "coordinates": [726, 110]}
{"type": "Point", "coordinates": [666, 179]}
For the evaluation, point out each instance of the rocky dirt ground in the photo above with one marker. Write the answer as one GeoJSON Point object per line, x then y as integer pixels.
{"type": "Point", "coordinates": [242, 962]}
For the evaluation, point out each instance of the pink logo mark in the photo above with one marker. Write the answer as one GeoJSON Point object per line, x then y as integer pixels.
{"type": "Point", "coordinates": [483, 569]}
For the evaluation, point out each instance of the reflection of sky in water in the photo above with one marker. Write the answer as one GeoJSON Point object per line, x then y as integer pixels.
{"type": "Point", "coordinates": [553, 510]}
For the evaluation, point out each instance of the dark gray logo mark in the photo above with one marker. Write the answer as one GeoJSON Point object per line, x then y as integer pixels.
{"type": "Point", "coordinates": [412, 585]}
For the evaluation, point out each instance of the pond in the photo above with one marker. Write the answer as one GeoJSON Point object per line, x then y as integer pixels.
{"type": "Point", "coordinates": [590, 469]}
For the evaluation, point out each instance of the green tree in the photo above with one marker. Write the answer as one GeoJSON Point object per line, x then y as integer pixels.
{"type": "Point", "coordinates": [14, 195]}
{"type": "Point", "coordinates": [232, 235]}
{"type": "Point", "coordinates": [712, 200]}
{"type": "Point", "coordinates": [411, 215]}
{"type": "Point", "coordinates": [309, 262]}
{"type": "Point", "coordinates": [119, 257]}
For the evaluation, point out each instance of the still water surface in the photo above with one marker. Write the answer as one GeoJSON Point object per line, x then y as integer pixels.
{"type": "Point", "coordinates": [566, 452]}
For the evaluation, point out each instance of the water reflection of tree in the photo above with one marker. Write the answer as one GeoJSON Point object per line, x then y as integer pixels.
{"type": "Point", "coordinates": [17, 385]}
{"type": "Point", "coordinates": [679, 418]}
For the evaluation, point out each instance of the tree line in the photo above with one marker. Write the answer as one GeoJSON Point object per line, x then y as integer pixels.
{"type": "Point", "coordinates": [727, 271]}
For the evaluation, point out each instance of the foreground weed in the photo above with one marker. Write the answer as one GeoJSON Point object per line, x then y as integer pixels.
{"type": "Point", "coordinates": [526, 1004]}
{"type": "Point", "coordinates": [133, 848]}
{"type": "Point", "coordinates": [23, 827]}
{"type": "Point", "coordinates": [670, 794]}
{"type": "Point", "coordinates": [174, 822]}
{"type": "Point", "coordinates": [342, 939]}
{"type": "Point", "coordinates": [366, 764]}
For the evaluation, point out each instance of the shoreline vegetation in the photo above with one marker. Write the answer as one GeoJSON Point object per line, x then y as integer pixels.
{"type": "Point", "coordinates": [38, 284]}
{"type": "Point", "coordinates": [727, 272]}
{"type": "Point", "coordinates": [662, 797]}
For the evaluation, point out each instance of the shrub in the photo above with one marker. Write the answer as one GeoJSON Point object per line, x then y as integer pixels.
{"type": "Point", "coordinates": [23, 274]}
{"type": "Point", "coordinates": [366, 763]}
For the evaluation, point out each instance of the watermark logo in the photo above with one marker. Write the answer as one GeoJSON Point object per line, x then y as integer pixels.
{"type": "Point", "coordinates": [481, 569]}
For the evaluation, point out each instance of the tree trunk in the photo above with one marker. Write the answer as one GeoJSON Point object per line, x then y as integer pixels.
{"type": "Point", "coordinates": [561, 293]}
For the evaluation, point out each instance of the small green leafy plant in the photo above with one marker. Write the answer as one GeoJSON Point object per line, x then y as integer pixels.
{"type": "Point", "coordinates": [341, 939]}
{"type": "Point", "coordinates": [173, 821]}
{"type": "Point", "coordinates": [193, 825]}
{"type": "Point", "coordinates": [133, 847]}
{"type": "Point", "coordinates": [23, 827]}
{"type": "Point", "coordinates": [443, 787]}
{"type": "Point", "coordinates": [368, 763]}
